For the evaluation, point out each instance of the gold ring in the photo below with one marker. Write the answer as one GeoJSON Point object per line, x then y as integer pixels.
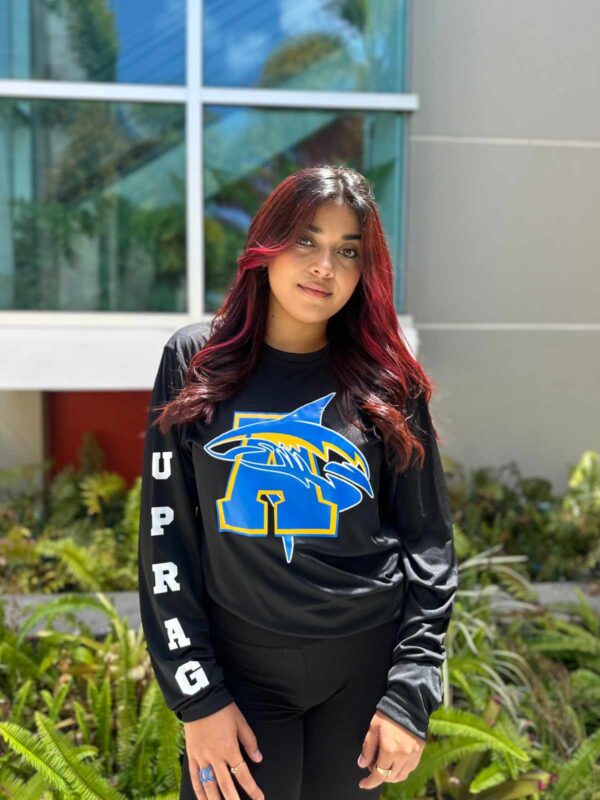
{"type": "Point", "coordinates": [385, 772]}
{"type": "Point", "coordinates": [235, 769]}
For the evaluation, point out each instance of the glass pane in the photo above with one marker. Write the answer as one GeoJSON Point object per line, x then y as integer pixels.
{"type": "Point", "coordinates": [125, 41]}
{"type": "Point", "coordinates": [248, 151]}
{"type": "Point", "coordinates": [92, 212]}
{"type": "Point", "coordinates": [332, 45]}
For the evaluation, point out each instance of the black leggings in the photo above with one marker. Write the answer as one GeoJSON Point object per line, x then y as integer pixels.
{"type": "Point", "coordinates": [308, 701]}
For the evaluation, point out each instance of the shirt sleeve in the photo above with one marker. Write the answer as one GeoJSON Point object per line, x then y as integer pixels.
{"type": "Point", "coordinates": [170, 575]}
{"type": "Point", "coordinates": [421, 513]}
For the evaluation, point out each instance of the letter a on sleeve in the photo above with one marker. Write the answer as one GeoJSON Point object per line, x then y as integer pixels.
{"type": "Point", "coordinates": [170, 572]}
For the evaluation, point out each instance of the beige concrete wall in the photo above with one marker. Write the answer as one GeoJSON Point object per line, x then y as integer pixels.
{"type": "Point", "coordinates": [503, 232]}
{"type": "Point", "coordinates": [22, 432]}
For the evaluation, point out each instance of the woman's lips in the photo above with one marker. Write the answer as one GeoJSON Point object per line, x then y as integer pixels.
{"type": "Point", "coordinates": [313, 292]}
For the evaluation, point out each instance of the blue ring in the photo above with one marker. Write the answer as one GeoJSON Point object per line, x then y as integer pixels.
{"type": "Point", "coordinates": [206, 774]}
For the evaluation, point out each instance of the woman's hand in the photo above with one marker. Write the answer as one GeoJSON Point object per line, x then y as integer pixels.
{"type": "Point", "coordinates": [388, 744]}
{"type": "Point", "coordinates": [213, 741]}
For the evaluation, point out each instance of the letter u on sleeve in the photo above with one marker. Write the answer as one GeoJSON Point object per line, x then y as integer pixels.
{"type": "Point", "coordinates": [421, 513]}
{"type": "Point", "coordinates": [170, 571]}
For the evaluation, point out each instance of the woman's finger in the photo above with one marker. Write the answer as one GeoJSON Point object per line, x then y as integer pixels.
{"type": "Point", "coordinates": [246, 780]}
{"type": "Point", "coordinates": [404, 768]}
{"type": "Point", "coordinates": [195, 775]}
{"type": "Point", "coordinates": [225, 781]}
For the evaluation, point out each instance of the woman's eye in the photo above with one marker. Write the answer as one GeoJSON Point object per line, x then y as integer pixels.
{"type": "Point", "coordinates": [346, 250]}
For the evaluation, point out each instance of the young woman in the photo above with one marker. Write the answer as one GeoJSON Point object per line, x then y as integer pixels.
{"type": "Point", "coordinates": [297, 572]}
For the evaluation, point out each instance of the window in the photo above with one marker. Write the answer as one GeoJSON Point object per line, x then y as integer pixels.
{"type": "Point", "coordinates": [137, 139]}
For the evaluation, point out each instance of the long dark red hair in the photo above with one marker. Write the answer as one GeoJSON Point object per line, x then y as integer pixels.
{"type": "Point", "coordinates": [370, 359]}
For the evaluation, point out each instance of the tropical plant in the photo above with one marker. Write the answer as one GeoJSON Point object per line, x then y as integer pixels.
{"type": "Point", "coordinates": [78, 534]}
{"type": "Point", "coordinates": [559, 535]}
{"type": "Point", "coordinates": [103, 729]}
{"type": "Point", "coordinates": [512, 724]}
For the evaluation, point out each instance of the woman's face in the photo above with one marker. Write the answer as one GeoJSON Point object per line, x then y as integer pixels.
{"type": "Point", "coordinates": [327, 255]}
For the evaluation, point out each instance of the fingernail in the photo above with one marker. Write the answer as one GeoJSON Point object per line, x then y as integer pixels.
{"type": "Point", "coordinates": [361, 761]}
{"type": "Point", "coordinates": [258, 754]}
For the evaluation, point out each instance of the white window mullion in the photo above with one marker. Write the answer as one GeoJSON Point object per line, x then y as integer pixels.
{"type": "Point", "coordinates": [217, 95]}
{"type": "Point", "coordinates": [305, 99]}
{"type": "Point", "coordinates": [193, 160]}
{"type": "Point", "coordinates": [90, 90]}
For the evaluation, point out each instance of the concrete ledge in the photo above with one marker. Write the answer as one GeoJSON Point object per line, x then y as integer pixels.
{"type": "Point", "coordinates": [558, 594]}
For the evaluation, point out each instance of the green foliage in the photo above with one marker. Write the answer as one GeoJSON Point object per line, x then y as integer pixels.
{"type": "Point", "coordinates": [80, 717]}
{"type": "Point", "coordinates": [78, 534]}
{"type": "Point", "coordinates": [557, 537]}
{"type": "Point", "coordinates": [520, 714]}
{"type": "Point", "coordinates": [573, 777]}
{"type": "Point", "coordinates": [85, 718]}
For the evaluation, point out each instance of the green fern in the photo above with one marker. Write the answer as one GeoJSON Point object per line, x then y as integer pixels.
{"type": "Point", "coordinates": [169, 796]}
{"type": "Point", "coordinates": [20, 699]}
{"type": "Point", "coordinates": [488, 777]}
{"type": "Point", "coordinates": [100, 490]}
{"type": "Point", "coordinates": [514, 583]}
{"type": "Point", "coordinates": [589, 617]}
{"type": "Point", "coordinates": [437, 757]}
{"type": "Point", "coordinates": [131, 511]}
{"type": "Point", "coordinates": [512, 765]}
{"type": "Point", "coordinates": [457, 722]}
{"type": "Point", "coordinates": [576, 772]}
{"type": "Point", "coordinates": [169, 746]}
{"type": "Point", "coordinates": [63, 640]}
{"type": "Point", "coordinates": [13, 787]}
{"type": "Point", "coordinates": [154, 762]}
{"type": "Point", "coordinates": [76, 560]}
{"type": "Point", "coordinates": [586, 685]}
{"type": "Point", "coordinates": [55, 702]}
{"type": "Point", "coordinates": [101, 704]}
{"type": "Point", "coordinates": [577, 641]}
{"type": "Point", "coordinates": [16, 663]}
{"type": "Point", "coordinates": [34, 751]}
{"type": "Point", "coordinates": [66, 604]}
{"type": "Point", "coordinates": [82, 721]}
{"type": "Point", "coordinates": [82, 778]}
{"type": "Point", "coordinates": [126, 718]}
{"type": "Point", "coordinates": [139, 772]}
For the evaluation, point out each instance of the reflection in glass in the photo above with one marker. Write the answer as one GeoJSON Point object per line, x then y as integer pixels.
{"type": "Point", "coordinates": [330, 45]}
{"type": "Point", "coordinates": [248, 151]}
{"type": "Point", "coordinates": [125, 41]}
{"type": "Point", "coordinates": [92, 214]}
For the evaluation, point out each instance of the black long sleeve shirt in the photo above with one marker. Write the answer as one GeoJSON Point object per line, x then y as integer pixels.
{"type": "Point", "coordinates": [287, 516]}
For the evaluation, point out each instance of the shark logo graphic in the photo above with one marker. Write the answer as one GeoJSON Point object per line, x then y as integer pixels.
{"type": "Point", "coordinates": [276, 459]}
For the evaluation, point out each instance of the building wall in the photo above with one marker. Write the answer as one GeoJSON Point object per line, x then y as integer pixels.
{"type": "Point", "coordinates": [22, 432]}
{"type": "Point", "coordinates": [502, 227]}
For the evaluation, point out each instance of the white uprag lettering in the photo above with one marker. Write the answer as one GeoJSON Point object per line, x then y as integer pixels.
{"type": "Point", "coordinates": [191, 677]}
{"type": "Point", "coordinates": [161, 517]}
{"type": "Point", "coordinates": [165, 473]}
{"type": "Point", "coordinates": [177, 637]}
{"type": "Point", "coordinates": [165, 577]}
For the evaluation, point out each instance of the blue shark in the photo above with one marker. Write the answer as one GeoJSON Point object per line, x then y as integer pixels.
{"type": "Point", "coordinates": [290, 445]}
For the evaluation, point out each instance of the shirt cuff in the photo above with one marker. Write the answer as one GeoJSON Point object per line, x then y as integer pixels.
{"type": "Point", "coordinates": [395, 711]}
{"type": "Point", "coordinates": [218, 698]}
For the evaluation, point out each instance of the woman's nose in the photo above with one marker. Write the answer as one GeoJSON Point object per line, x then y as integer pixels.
{"type": "Point", "coordinates": [324, 262]}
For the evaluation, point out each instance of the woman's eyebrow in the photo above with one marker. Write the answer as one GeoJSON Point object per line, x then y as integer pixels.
{"type": "Point", "coordinates": [346, 236]}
